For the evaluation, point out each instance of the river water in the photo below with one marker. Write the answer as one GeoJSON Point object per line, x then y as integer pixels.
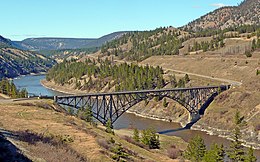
{"type": "Point", "coordinates": [33, 86]}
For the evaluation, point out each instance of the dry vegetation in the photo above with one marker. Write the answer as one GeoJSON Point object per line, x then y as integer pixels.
{"type": "Point", "coordinates": [245, 98]}
{"type": "Point", "coordinates": [41, 132]}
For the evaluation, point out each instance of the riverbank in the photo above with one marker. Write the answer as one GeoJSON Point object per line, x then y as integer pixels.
{"type": "Point", "coordinates": [62, 89]}
{"type": "Point", "coordinates": [227, 134]}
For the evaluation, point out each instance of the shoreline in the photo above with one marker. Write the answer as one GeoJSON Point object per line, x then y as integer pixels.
{"type": "Point", "coordinates": [209, 130]}
{"type": "Point", "coordinates": [30, 74]}
{"type": "Point", "coordinates": [57, 88]}
{"type": "Point", "coordinates": [223, 134]}
{"type": "Point", "coordinates": [53, 89]}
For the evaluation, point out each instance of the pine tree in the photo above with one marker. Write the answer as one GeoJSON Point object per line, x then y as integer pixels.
{"type": "Point", "coordinates": [236, 151]}
{"type": "Point", "coordinates": [254, 46]}
{"type": "Point", "coordinates": [154, 142]}
{"type": "Point", "coordinates": [215, 154]}
{"type": "Point", "coordinates": [88, 114]}
{"type": "Point", "coordinates": [165, 104]}
{"type": "Point", "coordinates": [196, 149]}
{"type": "Point", "coordinates": [173, 81]}
{"type": "Point", "coordinates": [181, 83]}
{"type": "Point", "coordinates": [145, 137]}
{"type": "Point", "coordinates": [109, 127]}
{"type": "Point", "coordinates": [136, 135]}
{"type": "Point", "coordinates": [238, 119]}
{"type": "Point", "coordinates": [250, 156]}
{"type": "Point", "coordinates": [186, 78]}
{"type": "Point", "coordinates": [150, 138]}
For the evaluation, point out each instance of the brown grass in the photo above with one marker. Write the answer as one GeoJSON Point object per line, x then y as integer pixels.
{"type": "Point", "coordinates": [45, 121]}
{"type": "Point", "coordinates": [43, 147]}
{"type": "Point", "coordinates": [41, 130]}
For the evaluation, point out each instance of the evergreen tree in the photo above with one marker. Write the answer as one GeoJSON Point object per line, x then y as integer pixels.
{"type": "Point", "coordinates": [136, 135]}
{"type": "Point", "coordinates": [196, 149]}
{"type": "Point", "coordinates": [254, 46]}
{"type": "Point", "coordinates": [186, 78]}
{"type": "Point", "coordinates": [8, 88]}
{"type": "Point", "coordinates": [165, 104]}
{"type": "Point", "coordinates": [70, 111]}
{"type": "Point", "coordinates": [236, 151]}
{"type": "Point", "coordinates": [154, 142]}
{"type": "Point", "coordinates": [87, 114]}
{"type": "Point", "coordinates": [109, 127]}
{"type": "Point", "coordinates": [250, 156]}
{"type": "Point", "coordinates": [215, 154]}
{"type": "Point", "coordinates": [181, 83]}
{"type": "Point", "coordinates": [238, 119]}
{"type": "Point", "coordinates": [173, 81]}
{"type": "Point", "coordinates": [150, 138]}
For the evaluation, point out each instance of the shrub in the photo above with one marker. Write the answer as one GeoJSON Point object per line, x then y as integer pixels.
{"type": "Point", "coordinates": [65, 138]}
{"type": "Point", "coordinates": [103, 143]}
{"type": "Point", "coordinates": [173, 152]}
{"type": "Point", "coordinates": [41, 144]}
{"type": "Point", "coordinates": [130, 140]}
{"type": "Point", "coordinates": [248, 54]}
{"type": "Point", "coordinates": [257, 127]}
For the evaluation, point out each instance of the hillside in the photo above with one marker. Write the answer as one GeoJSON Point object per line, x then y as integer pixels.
{"type": "Point", "coordinates": [68, 54]}
{"type": "Point", "coordinates": [247, 13]}
{"type": "Point", "coordinates": [5, 42]}
{"type": "Point", "coordinates": [140, 45]}
{"type": "Point", "coordinates": [226, 56]}
{"type": "Point", "coordinates": [15, 62]}
{"type": "Point", "coordinates": [39, 130]}
{"type": "Point", "coordinates": [37, 44]}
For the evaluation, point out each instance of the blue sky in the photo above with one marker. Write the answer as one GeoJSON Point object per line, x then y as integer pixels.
{"type": "Point", "coordinates": [22, 19]}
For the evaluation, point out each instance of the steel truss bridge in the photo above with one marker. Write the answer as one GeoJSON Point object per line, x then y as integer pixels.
{"type": "Point", "coordinates": [110, 106]}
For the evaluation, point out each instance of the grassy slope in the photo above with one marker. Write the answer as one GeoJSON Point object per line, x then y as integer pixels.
{"type": "Point", "coordinates": [245, 98]}
{"type": "Point", "coordinates": [38, 117]}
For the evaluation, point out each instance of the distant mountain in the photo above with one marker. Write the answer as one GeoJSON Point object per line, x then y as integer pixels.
{"type": "Point", "coordinates": [247, 13]}
{"type": "Point", "coordinates": [5, 42]}
{"type": "Point", "coordinates": [15, 62]}
{"type": "Point", "coordinates": [37, 44]}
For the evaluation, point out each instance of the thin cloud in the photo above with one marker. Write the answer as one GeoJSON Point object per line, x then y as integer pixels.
{"type": "Point", "coordinates": [26, 35]}
{"type": "Point", "coordinates": [218, 5]}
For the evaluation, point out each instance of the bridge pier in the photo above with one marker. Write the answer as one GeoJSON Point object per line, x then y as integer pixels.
{"type": "Point", "coordinates": [194, 117]}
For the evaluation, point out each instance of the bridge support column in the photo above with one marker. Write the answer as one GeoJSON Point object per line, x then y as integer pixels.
{"type": "Point", "coordinates": [194, 117]}
{"type": "Point", "coordinates": [55, 98]}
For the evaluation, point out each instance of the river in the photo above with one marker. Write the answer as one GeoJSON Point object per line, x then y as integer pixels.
{"type": "Point", "coordinates": [33, 86]}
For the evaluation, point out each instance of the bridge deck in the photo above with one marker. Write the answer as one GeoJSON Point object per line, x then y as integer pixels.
{"type": "Point", "coordinates": [145, 91]}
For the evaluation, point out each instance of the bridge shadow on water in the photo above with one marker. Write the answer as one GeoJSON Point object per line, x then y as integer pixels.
{"type": "Point", "coordinates": [188, 126]}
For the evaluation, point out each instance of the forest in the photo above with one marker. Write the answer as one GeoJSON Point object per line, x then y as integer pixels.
{"type": "Point", "coordinates": [102, 73]}
{"type": "Point", "coordinates": [145, 44]}
{"type": "Point", "coordinates": [167, 41]}
{"type": "Point", "coordinates": [7, 87]}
